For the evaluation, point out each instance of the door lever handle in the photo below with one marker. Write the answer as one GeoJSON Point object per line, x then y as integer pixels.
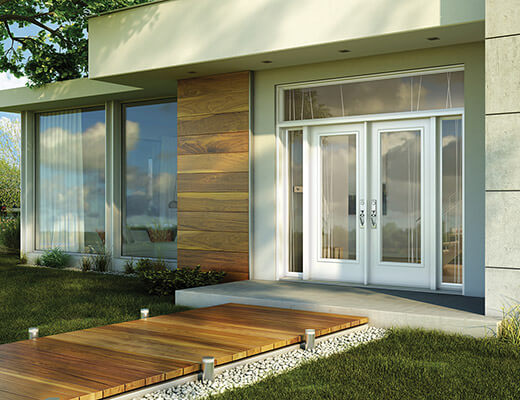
{"type": "Point", "coordinates": [361, 213]}
{"type": "Point", "coordinates": [373, 214]}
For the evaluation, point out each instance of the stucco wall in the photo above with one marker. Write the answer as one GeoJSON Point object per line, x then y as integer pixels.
{"type": "Point", "coordinates": [186, 32]}
{"type": "Point", "coordinates": [502, 154]}
{"type": "Point", "coordinates": [264, 167]}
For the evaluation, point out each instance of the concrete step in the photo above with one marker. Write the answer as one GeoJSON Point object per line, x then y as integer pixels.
{"type": "Point", "coordinates": [384, 308]}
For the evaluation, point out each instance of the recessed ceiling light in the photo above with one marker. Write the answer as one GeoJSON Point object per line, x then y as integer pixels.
{"type": "Point", "coordinates": [433, 38]}
{"type": "Point", "coordinates": [267, 61]}
{"type": "Point", "coordinates": [344, 51]}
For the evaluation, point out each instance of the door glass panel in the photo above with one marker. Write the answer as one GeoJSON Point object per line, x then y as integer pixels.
{"type": "Point", "coordinates": [295, 201]}
{"type": "Point", "coordinates": [338, 209]}
{"type": "Point", "coordinates": [451, 136]}
{"type": "Point", "coordinates": [401, 196]}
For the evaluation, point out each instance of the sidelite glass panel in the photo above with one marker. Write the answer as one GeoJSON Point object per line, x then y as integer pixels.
{"type": "Point", "coordinates": [451, 136]}
{"type": "Point", "coordinates": [401, 196]}
{"type": "Point", "coordinates": [412, 93]}
{"type": "Point", "coordinates": [338, 196]}
{"type": "Point", "coordinates": [70, 180]}
{"type": "Point", "coordinates": [295, 201]}
{"type": "Point", "coordinates": [150, 180]}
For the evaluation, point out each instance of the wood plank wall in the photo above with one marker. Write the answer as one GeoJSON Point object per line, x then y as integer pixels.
{"type": "Point", "coordinates": [213, 173]}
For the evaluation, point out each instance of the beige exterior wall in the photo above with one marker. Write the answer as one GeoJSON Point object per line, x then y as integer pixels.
{"type": "Point", "coordinates": [502, 154]}
{"type": "Point", "coordinates": [176, 33]}
{"type": "Point", "coordinates": [264, 145]}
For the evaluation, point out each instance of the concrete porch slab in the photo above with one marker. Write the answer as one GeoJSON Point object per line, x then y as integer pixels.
{"type": "Point", "coordinates": [384, 308]}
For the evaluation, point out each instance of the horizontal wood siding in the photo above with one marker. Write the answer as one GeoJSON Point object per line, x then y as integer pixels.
{"type": "Point", "coordinates": [213, 173]}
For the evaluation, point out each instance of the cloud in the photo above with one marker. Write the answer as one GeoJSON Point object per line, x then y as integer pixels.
{"type": "Point", "coordinates": [9, 81]}
{"type": "Point", "coordinates": [61, 148]}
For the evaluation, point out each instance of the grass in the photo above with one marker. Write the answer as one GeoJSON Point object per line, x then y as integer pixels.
{"type": "Point", "coordinates": [60, 301]}
{"type": "Point", "coordinates": [406, 364]}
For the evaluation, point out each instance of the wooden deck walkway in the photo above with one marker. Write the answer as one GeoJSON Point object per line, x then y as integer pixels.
{"type": "Point", "coordinates": [101, 362]}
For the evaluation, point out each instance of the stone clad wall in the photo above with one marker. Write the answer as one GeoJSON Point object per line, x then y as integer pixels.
{"type": "Point", "coordinates": [502, 154]}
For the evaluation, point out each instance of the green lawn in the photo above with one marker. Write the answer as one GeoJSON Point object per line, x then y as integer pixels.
{"type": "Point", "coordinates": [60, 301]}
{"type": "Point", "coordinates": [407, 364]}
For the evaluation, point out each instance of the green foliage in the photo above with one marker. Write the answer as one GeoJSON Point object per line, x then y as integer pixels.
{"type": "Point", "coordinates": [23, 258]}
{"type": "Point", "coordinates": [102, 260]}
{"type": "Point", "coordinates": [161, 281]}
{"type": "Point", "coordinates": [9, 184]}
{"type": "Point", "coordinates": [148, 265]}
{"type": "Point", "coordinates": [62, 300]}
{"type": "Point", "coordinates": [38, 261]}
{"type": "Point", "coordinates": [55, 258]}
{"type": "Point", "coordinates": [509, 327]}
{"type": "Point", "coordinates": [10, 232]}
{"type": "Point", "coordinates": [129, 266]}
{"type": "Point", "coordinates": [86, 264]}
{"type": "Point", "coordinates": [59, 50]}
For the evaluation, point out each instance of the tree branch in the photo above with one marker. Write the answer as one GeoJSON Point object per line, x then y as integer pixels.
{"type": "Point", "coordinates": [34, 21]}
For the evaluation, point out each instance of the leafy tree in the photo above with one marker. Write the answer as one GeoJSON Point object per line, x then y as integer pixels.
{"type": "Point", "coordinates": [9, 185]}
{"type": "Point", "coordinates": [59, 49]}
{"type": "Point", "coordinates": [9, 163]}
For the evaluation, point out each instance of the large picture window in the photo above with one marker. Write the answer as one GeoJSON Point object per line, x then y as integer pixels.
{"type": "Point", "coordinates": [70, 184]}
{"type": "Point", "coordinates": [150, 180]}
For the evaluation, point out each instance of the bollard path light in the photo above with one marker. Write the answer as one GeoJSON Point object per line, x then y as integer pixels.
{"type": "Point", "coordinates": [33, 333]}
{"type": "Point", "coordinates": [145, 313]}
{"type": "Point", "coordinates": [310, 339]}
{"type": "Point", "coordinates": [208, 369]}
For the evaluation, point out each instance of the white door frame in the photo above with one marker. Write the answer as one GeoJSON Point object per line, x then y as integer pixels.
{"type": "Point", "coordinates": [391, 273]}
{"type": "Point", "coordinates": [346, 270]}
{"type": "Point", "coordinates": [281, 182]}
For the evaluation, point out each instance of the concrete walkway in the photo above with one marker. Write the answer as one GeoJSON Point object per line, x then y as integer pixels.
{"type": "Point", "coordinates": [384, 308]}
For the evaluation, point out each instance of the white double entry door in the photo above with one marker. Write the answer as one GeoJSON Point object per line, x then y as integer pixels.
{"type": "Point", "coordinates": [369, 213]}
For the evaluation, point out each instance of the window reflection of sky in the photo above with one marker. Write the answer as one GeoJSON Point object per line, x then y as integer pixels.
{"type": "Point", "coordinates": [150, 221]}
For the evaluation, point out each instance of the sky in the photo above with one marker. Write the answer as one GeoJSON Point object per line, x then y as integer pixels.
{"type": "Point", "coordinates": [8, 81]}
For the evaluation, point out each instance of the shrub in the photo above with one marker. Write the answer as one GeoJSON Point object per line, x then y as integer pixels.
{"type": "Point", "coordinates": [10, 232]}
{"type": "Point", "coordinates": [164, 282]}
{"type": "Point", "coordinates": [129, 266]}
{"type": "Point", "coordinates": [509, 327]}
{"type": "Point", "coordinates": [86, 264]}
{"type": "Point", "coordinates": [38, 261]}
{"type": "Point", "coordinates": [147, 265]}
{"type": "Point", "coordinates": [102, 260]}
{"type": "Point", "coordinates": [55, 258]}
{"type": "Point", "coordinates": [23, 258]}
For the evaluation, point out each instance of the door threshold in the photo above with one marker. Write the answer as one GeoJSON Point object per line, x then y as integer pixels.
{"type": "Point", "coordinates": [383, 287]}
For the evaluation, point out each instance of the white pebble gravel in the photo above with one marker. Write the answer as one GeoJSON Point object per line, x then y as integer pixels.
{"type": "Point", "coordinates": [250, 373]}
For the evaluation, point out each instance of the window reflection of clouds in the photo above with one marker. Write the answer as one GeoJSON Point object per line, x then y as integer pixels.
{"type": "Point", "coordinates": [71, 179]}
{"type": "Point", "coordinates": [414, 93]}
{"type": "Point", "coordinates": [150, 220]}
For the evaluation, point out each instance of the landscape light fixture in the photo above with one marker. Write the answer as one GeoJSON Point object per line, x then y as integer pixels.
{"type": "Point", "coordinates": [33, 333]}
{"type": "Point", "coordinates": [208, 369]}
{"type": "Point", "coordinates": [310, 339]}
{"type": "Point", "coordinates": [145, 313]}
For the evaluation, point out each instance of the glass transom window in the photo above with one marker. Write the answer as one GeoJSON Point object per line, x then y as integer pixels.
{"type": "Point", "coordinates": [433, 91]}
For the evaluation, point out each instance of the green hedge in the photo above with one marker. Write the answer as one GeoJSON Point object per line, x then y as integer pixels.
{"type": "Point", "coordinates": [159, 280]}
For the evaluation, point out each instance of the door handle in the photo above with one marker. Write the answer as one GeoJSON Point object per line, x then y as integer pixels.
{"type": "Point", "coordinates": [362, 211]}
{"type": "Point", "coordinates": [373, 214]}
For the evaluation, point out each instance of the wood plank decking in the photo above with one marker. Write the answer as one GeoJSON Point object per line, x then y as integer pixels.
{"type": "Point", "coordinates": [100, 362]}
